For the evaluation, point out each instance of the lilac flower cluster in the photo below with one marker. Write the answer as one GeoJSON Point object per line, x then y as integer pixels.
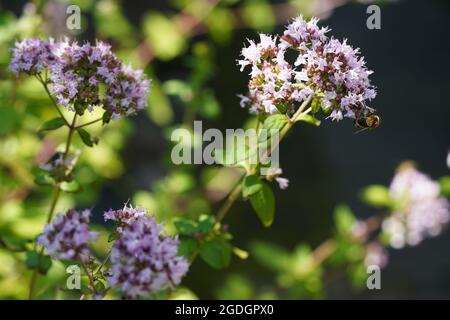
{"type": "Point", "coordinates": [124, 216]}
{"type": "Point", "coordinates": [420, 210]}
{"type": "Point", "coordinates": [67, 236]}
{"type": "Point", "coordinates": [324, 68]}
{"type": "Point", "coordinates": [32, 56]}
{"type": "Point", "coordinates": [84, 76]}
{"type": "Point", "coordinates": [144, 261]}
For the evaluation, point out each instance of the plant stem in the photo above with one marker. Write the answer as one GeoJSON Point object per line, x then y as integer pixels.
{"type": "Point", "coordinates": [52, 99]}
{"type": "Point", "coordinates": [103, 262]}
{"type": "Point", "coordinates": [90, 277]}
{"type": "Point", "coordinates": [234, 195]}
{"type": "Point", "coordinates": [51, 211]}
{"type": "Point", "coordinates": [323, 251]}
{"type": "Point", "coordinates": [89, 123]}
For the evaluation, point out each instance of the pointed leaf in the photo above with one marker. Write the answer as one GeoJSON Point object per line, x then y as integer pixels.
{"type": "Point", "coordinates": [216, 253]}
{"type": "Point", "coordinates": [251, 185]}
{"type": "Point", "coordinates": [52, 124]}
{"type": "Point", "coordinates": [85, 137]}
{"type": "Point", "coordinates": [263, 202]}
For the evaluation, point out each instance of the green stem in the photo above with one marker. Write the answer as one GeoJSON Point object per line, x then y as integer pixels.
{"type": "Point", "coordinates": [44, 83]}
{"type": "Point", "coordinates": [89, 123]}
{"type": "Point", "coordinates": [90, 277]}
{"type": "Point", "coordinates": [234, 195]}
{"type": "Point", "coordinates": [51, 212]}
{"type": "Point", "coordinates": [103, 262]}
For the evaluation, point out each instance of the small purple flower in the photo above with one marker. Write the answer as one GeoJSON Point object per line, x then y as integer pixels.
{"type": "Point", "coordinates": [128, 94]}
{"type": "Point", "coordinates": [145, 261]}
{"type": "Point", "coordinates": [420, 212]}
{"type": "Point", "coordinates": [124, 216]}
{"type": "Point", "coordinates": [31, 56]}
{"type": "Point", "coordinates": [67, 236]}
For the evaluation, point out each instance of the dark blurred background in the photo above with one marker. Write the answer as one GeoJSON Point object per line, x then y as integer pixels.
{"type": "Point", "coordinates": [330, 164]}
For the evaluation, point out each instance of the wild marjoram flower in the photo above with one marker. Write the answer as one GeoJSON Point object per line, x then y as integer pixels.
{"type": "Point", "coordinates": [124, 216]}
{"type": "Point", "coordinates": [67, 236]}
{"type": "Point", "coordinates": [84, 76]}
{"type": "Point", "coordinates": [420, 211]}
{"type": "Point", "coordinates": [144, 260]}
{"type": "Point", "coordinates": [325, 68]}
{"type": "Point", "coordinates": [32, 56]}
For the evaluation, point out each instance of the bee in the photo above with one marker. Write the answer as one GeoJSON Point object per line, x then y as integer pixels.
{"type": "Point", "coordinates": [370, 121]}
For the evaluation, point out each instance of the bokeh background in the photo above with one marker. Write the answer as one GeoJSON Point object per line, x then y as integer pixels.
{"type": "Point", "coordinates": [189, 49]}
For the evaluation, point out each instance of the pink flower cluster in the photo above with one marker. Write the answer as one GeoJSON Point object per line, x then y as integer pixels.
{"type": "Point", "coordinates": [324, 67]}
{"type": "Point", "coordinates": [84, 76]}
{"type": "Point", "coordinates": [420, 211]}
{"type": "Point", "coordinates": [144, 260]}
{"type": "Point", "coordinates": [124, 216]}
{"type": "Point", "coordinates": [67, 236]}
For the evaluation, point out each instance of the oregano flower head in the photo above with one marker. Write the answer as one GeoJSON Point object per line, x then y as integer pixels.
{"type": "Point", "coordinates": [82, 77]}
{"type": "Point", "coordinates": [420, 212]}
{"type": "Point", "coordinates": [324, 68]}
{"type": "Point", "coordinates": [124, 216]}
{"type": "Point", "coordinates": [68, 235]}
{"type": "Point", "coordinates": [31, 56]}
{"type": "Point", "coordinates": [144, 260]}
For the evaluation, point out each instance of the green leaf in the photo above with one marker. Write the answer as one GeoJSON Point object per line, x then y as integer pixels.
{"type": "Point", "coordinates": [70, 187]}
{"type": "Point", "coordinates": [85, 137]}
{"type": "Point", "coordinates": [275, 121]}
{"type": "Point", "coordinates": [263, 202]}
{"type": "Point", "coordinates": [52, 124]}
{"type": "Point", "coordinates": [272, 256]}
{"type": "Point", "coordinates": [106, 118]}
{"type": "Point", "coordinates": [208, 106]}
{"type": "Point", "coordinates": [113, 237]}
{"type": "Point", "coordinates": [178, 88]}
{"type": "Point", "coordinates": [42, 263]}
{"type": "Point", "coordinates": [159, 109]}
{"type": "Point", "coordinates": [242, 254]}
{"type": "Point", "coordinates": [206, 223]}
{"type": "Point", "coordinates": [164, 35]}
{"type": "Point", "coordinates": [344, 219]}
{"type": "Point", "coordinates": [445, 186]}
{"type": "Point", "coordinates": [258, 14]}
{"type": "Point", "coordinates": [315, 105]}
{"type": "Point", "coordinates": [376, 195]}
{"type": "Point", "coordinates": [309, 119]}
{"type": "Point", "coordinates": [187, 247]}
{"type": "Point", "coordinates": [216, 253]}
{"type": "Point", "coordinates": [236, 287]}
{"type": "Point", "coordinates": [251, 185]}
{"type": "Point", "coordinates": [43, 179]}
{"type": "Point", "coordinates": [100, 286]}
{"type": "Point", "coordinates": [185, 227]}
